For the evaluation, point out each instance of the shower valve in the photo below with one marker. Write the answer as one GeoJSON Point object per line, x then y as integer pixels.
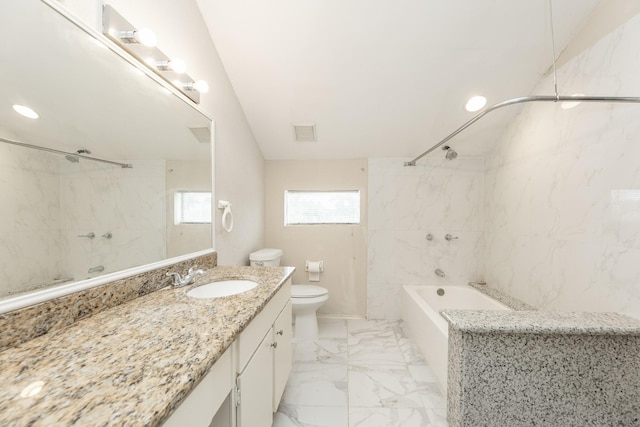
{"type": "Point", "coordinates": [448, 237]}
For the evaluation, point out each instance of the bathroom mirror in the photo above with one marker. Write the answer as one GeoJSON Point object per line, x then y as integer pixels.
{"type": "Point", "coordinates": [65, 218]}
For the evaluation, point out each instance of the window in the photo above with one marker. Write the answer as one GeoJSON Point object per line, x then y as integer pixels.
{"type": "Point", "coordinates": [321, 207]}
{"type": "Point", "coordinates": [192, 207]}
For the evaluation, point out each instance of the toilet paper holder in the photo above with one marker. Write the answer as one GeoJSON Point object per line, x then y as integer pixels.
{"type": "Point", "coordinates": [321, 264]}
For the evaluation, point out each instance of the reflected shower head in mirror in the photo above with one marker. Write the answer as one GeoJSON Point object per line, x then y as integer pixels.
{"type": "Point", "coordinates": [451, 154]}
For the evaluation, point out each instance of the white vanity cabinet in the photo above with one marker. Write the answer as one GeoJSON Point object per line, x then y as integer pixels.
{"type": "Point", "coordinates": [283, 354]}
{"type": "Point", "coordinates": [264, 361]}
{"type": "Point", "coordinates": [249, 377]}
{"type": "Point", "coordinates": [208, 404]}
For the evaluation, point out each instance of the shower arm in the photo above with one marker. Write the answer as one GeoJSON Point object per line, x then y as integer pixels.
{"type": "Point", "coordinates": [521, 100]}
{"type": "Point", "coordinates": [64, 153]}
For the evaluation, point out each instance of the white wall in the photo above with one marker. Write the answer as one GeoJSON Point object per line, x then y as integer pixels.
{"type": "Point", "coordinates": [239, 164]}
{"type": "Point", "coordinates": [436, 196]}
{"type": "Point", "coordinates": [186, 175]}
{"type": "Point", "coordinates": [341, 247]}
{"type": "Point", "coordinates": [563, 190]}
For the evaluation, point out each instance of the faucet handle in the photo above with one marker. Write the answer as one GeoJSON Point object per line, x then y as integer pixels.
{"type": "Point", "coordinates": [192, 269]}
{"type": "Point", "coordinates": [177, 279]}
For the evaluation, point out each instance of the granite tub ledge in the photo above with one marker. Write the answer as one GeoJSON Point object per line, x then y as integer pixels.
{"type": "Point", "coordinates": [541, 322]}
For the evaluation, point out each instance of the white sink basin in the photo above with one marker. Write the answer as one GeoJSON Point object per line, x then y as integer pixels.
{"type": "Point", "coordinates": [223, 288]}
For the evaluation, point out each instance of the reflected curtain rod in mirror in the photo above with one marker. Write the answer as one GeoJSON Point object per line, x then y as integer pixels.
{"type": "Point", "coordinates": [66, 154]}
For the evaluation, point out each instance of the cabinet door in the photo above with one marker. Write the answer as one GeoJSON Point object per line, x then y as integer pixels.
{"type": "Point", "coordinates": [283, 354]}
{"type": "Point", "coordinates": [255, 386]}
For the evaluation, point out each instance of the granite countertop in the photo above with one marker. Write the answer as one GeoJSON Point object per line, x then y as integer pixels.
{"type": "Point", "coordinates": [132, 364]}
{"type": "Point", "coordinates": [541, 322]}
{"type": "Point", "coordinates": [498, 295]}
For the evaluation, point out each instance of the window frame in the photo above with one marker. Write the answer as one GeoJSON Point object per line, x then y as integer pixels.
{"type": "Point", "coordinates": [178, 199]}
{"type": "Point", "coordinates": [357, 192]}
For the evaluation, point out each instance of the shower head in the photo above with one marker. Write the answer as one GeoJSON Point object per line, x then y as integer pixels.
{"type": "Point", "coordinates": [72, 159]}
{"type": "Point", "coordinates": [451, 154]}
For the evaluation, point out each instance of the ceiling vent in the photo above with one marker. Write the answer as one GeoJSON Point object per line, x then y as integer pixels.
{"type": "Point", "coordinates": [305, 132]}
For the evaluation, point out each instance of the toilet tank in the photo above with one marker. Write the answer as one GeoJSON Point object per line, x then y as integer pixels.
{"type": "Point", "coordinates": [265, 257]}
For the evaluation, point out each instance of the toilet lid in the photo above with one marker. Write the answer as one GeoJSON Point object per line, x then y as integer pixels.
{"type": "Point", "coordinates": [308, 291]}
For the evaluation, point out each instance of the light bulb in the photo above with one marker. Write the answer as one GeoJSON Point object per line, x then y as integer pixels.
{"type": "Point", "coordinates": [178, 65]}
{"type": "Point", "coordinates": [25, 111]}
{"type": "Point", "coordinates": [201, 86]}
{"type": "Point", "coordinates": [475, 103]}
{"type": "Point", "coordinates": [146, 37]}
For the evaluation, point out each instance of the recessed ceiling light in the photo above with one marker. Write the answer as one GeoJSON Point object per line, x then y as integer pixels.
{"type": "Point", "coordinates": [475, 103]}
{"type": "Point", "coordinates": [25, 111]}
{"type": "Point", "coordinates": [570, 104]}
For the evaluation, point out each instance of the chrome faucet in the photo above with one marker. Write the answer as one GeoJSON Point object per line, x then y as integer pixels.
{"type": "Point", "coordinates": [188, 279]}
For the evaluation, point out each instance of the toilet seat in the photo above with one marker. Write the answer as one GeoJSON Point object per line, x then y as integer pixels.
{"type": "Point", "coordinates": [308, 291]}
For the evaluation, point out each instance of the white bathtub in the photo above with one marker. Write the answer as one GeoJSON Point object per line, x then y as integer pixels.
{"type": "Point", "coordinates": [421, 306]}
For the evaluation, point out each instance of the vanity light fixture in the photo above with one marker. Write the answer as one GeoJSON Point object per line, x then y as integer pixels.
{"type": "Point", "coordinates": [25, 111]}
{"type": "Point", "coordinates": [177, 65]}
{"type": "Point", "coordinates": [200, 86]}
{"type": "Point", "coordinates": [143, 36]}
{"type": "Point", "coordinates": [140, 43]}
{"type": "Point", "coordinates": [475, 103]}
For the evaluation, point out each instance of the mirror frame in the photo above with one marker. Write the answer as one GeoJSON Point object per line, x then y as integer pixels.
{"type": "Point", "coordinates": [12, 303]}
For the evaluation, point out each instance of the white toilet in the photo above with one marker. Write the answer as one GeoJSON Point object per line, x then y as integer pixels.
{"type": "Point", "coordinates": [305, 299]}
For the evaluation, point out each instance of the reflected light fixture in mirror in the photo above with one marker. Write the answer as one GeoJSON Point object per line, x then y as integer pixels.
{"type": "Point", "coordinates": [475, 103]}
{"type": "Point", "coordinates": [25, 111]}
{"type": "Point", "coordinates": [134, 41]}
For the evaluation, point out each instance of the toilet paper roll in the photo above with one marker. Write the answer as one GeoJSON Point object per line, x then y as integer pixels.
{"type": "Point", "coordinates": [314, 268]}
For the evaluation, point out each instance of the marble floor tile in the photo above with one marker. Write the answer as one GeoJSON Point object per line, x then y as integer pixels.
{"type": "Point", "coordinates": [421, 373]}
{"type": "Point", "coordinates": [332, 328]}
{"type": "Point", "coordinates": [310, 416]}
{"type": "Point", "coordinates": [382, 387]}
{"type": "Point", "coordinates": [363, 373]}
{"type": "Point", "coordinates": [325, 350]}
{"type": "Point", "coordinates": [388, 417]}
{"type": "Point", "coordinates": [431, 396]}
{"type": "Point", "coordinates": [410, 351]}
{"type": "Point", "coordinates": [376, 353]}
{"type": "Point", "coordinates": [317, 384]}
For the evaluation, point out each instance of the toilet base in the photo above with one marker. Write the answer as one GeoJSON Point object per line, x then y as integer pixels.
{"type": "Point", "coordinates": [305, 327]}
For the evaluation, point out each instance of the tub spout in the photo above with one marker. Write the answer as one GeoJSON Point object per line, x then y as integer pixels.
{"type": "Point", "coordinates": [439, 272]}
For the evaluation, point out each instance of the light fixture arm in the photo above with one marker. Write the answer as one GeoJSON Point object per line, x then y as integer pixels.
{"type": "Point", "coordinates": [521, 100]}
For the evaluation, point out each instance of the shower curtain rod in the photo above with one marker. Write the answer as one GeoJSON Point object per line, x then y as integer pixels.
{"type": "Point", "coordinates": [539, 98]}
{"type": "Point", "coordinates": [64, 153]}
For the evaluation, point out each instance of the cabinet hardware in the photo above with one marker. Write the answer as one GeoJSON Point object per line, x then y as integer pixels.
{"type": "Point", "coordinates": [274, 344]}
{"type": "Point", "coordinates": [280, 332]}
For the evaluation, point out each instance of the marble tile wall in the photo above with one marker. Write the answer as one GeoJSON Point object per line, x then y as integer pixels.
{"type": "Point", "coordinates": [30, 247]}
{"type": "Point", "coordinates": [562, 187]}
{"type": "Point", "coordinates": [128, 203]}
{"type": "Point", "coordinates": [436, 196]}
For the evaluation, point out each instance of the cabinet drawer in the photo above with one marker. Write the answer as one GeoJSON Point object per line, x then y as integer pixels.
{"type": "Point", "coordinates": [251, 337]}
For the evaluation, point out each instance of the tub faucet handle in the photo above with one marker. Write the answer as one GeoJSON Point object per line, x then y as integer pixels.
{"type": "Point", "coordinates": [439, 272]}
{"type": "Point", "coordinates": [448, 237]}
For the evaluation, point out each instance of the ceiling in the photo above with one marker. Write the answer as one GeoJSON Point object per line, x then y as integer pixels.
{"type": "Point", "coordinates": [383, 78]}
